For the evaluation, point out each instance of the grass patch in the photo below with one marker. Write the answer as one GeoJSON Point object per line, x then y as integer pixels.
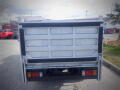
{"type": "Point", "coordinates": [112, 54]}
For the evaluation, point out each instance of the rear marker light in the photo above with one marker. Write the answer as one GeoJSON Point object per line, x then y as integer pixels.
{"type": "Point", "coordinates": [34, 74]}
{"type": "Point", "coordinates": [29, 74]}
{"type": "Point", "coordinates": [89, 73]}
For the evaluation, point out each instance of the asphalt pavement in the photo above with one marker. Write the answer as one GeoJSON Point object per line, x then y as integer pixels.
{"type": "Point", "coordinates": [11, 77]}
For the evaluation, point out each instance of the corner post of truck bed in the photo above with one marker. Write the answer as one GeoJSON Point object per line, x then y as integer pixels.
{"type": "Point", "coordinates": [100, 51]}
{"type": "Point", "coordinates": [22, 48]}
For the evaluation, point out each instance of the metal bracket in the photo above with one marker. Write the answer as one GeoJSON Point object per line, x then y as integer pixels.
{"type": "Point", "coordinates": [24, 67]}
{"type": "Point", "coordinates": [100, 57]}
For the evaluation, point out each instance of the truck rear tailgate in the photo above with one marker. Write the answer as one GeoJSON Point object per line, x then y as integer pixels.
{"type": "Point", "coordinates": [57, 43]}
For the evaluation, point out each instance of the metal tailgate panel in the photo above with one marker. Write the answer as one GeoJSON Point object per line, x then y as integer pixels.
{"type": "Point", "coordinates": [61, 42]}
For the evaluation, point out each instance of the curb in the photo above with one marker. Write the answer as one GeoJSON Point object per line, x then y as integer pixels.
{"type": "Point", "coordinates": [111, 66]}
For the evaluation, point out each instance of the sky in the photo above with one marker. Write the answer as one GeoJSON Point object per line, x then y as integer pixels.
{"type": "Point", "coordinates": [56, 9]}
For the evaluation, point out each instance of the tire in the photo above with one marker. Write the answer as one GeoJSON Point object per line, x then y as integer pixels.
{"type": "Point", "coordinates": [9, 37]}
{"type": "Point", "coordinates": [15, 37]}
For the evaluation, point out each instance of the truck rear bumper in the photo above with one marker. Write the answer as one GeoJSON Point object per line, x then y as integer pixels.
{"type": "Point", "coordinates": [81, 67]}
{"type": "Point", "coordinates": [59, 75]}
{"type": "Point", "coordinates": [62, 65]}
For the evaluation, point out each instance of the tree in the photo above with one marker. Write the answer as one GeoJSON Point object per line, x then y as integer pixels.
{"type": "Point", "coordinates": [114, 18]}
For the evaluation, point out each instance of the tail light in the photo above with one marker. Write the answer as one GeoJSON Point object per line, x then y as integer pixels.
{"type": "Point", "coordinates": [89, 73]}
{"type": "Point", "coordinates": [34, 74]}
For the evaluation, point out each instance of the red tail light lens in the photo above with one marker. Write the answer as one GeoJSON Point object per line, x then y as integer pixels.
{"type": "Point", "coordinates": [34, 74]}
{"type": "Point", "coordinates": [89, 73]}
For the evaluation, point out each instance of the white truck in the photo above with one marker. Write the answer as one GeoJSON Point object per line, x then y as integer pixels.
{"type": "Point", "coordinates": [61, 46]}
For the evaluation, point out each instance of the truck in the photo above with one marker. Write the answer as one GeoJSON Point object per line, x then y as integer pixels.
{"type": "Point", "coordinates": [61, 47]}
{"type": "Point", "coordinates": [6, 31]}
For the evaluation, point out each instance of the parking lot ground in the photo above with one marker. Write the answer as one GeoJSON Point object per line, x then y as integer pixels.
{"type": "Point", "coordinates": [11, 77]}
